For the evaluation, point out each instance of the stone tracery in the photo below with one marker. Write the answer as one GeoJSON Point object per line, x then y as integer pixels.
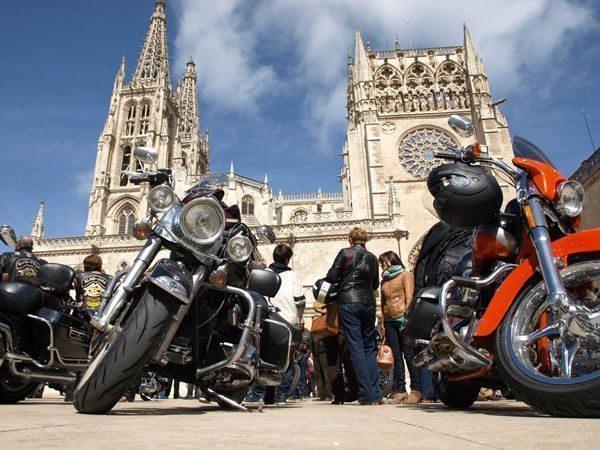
{"type": "Point", "coordinates": [414, 146]}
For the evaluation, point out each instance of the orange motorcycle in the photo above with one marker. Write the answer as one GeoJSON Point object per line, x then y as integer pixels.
{"type": "Point", "coordinates": [523, 311]}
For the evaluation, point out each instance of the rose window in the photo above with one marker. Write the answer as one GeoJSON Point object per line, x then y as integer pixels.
{"type": "Point", "coordinates": [416, 144]}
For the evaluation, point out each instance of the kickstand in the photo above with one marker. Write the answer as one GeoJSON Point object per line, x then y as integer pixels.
{"type": "Point", "coordinates": [227, 400]}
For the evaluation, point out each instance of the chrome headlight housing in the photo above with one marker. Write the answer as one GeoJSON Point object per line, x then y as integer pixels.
{"type": "Point", "coordinates": [239, 248]}
{"type": "Point", "coordinates": [570, 198]}
{"type": "Point", "coordinates": [161, 198]}
{"type": "Point", "coordinates": [202, 221]}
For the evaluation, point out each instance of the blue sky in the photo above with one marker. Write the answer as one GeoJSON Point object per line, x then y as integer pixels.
{"type": "Point", "coordinates": [272, 81]}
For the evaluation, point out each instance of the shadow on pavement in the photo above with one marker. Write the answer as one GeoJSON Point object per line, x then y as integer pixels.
{"type": "Point", "coordinates": [512, 409]}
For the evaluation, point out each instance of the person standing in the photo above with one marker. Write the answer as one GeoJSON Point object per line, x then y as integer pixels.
{"type": "Point", "coordinates": [397, 289]}
{"type": "Point", "coordinates": [20, 263]}
{"type": "Point", "coordinates": [322, 379]}
{"type": "Point", "coordinates": [355, 270]}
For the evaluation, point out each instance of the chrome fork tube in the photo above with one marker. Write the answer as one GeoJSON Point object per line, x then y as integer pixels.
{"type": "Point", "coordinates": [143, 260]}
{"type": "Point", "coordinates": [542, 243]}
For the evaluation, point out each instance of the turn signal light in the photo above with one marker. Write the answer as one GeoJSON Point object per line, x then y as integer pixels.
{"type": "Point", "coordinates": [218, 277]}
{"type": "Point", "coordinates": [476, 149]}
{"type": "Point", "coordinates": [141, 230]}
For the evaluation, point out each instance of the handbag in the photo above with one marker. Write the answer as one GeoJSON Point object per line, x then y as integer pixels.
{"type": "Point", "coordinates": [385, 357]}
{"type": "Point", "coordinates": [326, 325]}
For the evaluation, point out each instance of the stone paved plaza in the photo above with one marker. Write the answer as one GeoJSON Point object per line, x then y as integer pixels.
{"type": "Point", "coordinates": [51, 423]}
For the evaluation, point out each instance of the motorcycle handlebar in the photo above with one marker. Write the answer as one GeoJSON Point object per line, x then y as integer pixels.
{"type": "Point", "coordinates": [446, 155]}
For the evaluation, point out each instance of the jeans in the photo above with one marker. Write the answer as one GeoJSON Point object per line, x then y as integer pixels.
{"type": "Point", "coordinates": [401, 352]}
{"type": "Point", "coordinates": [303, 389]}
{"type": "Point", "coordinates": [358, 323]}
{"type": "Point", "coordinates": [427, 390]}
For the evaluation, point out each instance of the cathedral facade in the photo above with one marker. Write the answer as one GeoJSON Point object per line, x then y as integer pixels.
{"type": "Point", "coordinates": [398, 104]}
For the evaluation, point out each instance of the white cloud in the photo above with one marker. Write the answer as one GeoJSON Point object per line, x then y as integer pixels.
{"type": "Point", "coordinates": [242, 51]}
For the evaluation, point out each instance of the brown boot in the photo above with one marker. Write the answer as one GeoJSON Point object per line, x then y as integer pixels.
{"type": "Point", "coordinates": [413, 398]}
{"type": "Point", "coordinates": [399, 397]}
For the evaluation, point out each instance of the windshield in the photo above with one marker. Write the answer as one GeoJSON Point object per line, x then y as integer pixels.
{"type": "Point", "coordinates": [212, 182]}
{"type": "Point", "coordinates": [522, 148]}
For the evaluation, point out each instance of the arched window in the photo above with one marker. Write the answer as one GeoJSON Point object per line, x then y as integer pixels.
{"type": "Point", "coordinates": [247, 204]}
{"type": "Point", "coordinates": [130, 122]}
{"type": "Point", "coordinates": [144, 118]}
{"type": "Point", "coordinates": [126, 220]}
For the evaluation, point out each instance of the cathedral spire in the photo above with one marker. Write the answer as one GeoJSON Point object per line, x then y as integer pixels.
{"type": "Point", "coordinates": [362, 70]}
{"type": "Point", "coordinates": [37, 231]}
{"type": "Point", "coordinates": [473, 62]}
{"type": "Point", "coordinates": [154, 59]}
{"type": "Point", "coordinates": [189, 123]}
{"type": "Point", "coordinates": [120, 77]}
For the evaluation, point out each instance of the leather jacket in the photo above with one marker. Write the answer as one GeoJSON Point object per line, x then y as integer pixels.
{"type": "Point", "coordinates": [20, 264]}
{"type": "Point", "coordinates": [358, 279]}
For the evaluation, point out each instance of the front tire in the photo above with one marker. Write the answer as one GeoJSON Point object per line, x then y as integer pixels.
{"type": "Point", "coordinates": [540, 380]}
{"type": "Point", "coordinates": [119, 363]}
{"type": "Point", "coordinates": [13, 391]}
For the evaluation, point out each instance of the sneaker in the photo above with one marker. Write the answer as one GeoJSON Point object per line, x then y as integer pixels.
{"type": "Point", "coordinates": [399, 397]}
{"type": "Point", "coordinates": [413, 398]}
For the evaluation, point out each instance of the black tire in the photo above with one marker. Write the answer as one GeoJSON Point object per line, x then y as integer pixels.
{"type": "Point", "coordinates": [13, 391]}
{"type": "Point", "coordinates": [455, 395]}
{"type": "Point", "coordinates": [567, 400]}
{"type": "Point", "coordinates": [120, 363]}
{"type": "Point", "coordinates": [386, 382]}
{"type": "Point", "coordinates": [295, 380]}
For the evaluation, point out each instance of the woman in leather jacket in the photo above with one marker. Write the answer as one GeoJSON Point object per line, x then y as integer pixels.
{"type": "Point", "coordinates": [397, 289]}
{"type": "Point", "coordinates": [355, 271]}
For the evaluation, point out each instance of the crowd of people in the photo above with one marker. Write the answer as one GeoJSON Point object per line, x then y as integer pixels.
{"type": "Point", "coordinates": [340, 368]}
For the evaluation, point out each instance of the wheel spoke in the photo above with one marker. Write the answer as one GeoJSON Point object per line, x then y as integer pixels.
{"type": "Point", "coordinates": [568, 355]}
{"type": "Point", "coordinates": [537, 335]}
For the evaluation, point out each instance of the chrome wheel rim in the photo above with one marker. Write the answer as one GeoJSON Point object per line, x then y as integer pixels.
{"type": "Point", "coordinates": [559, 346]}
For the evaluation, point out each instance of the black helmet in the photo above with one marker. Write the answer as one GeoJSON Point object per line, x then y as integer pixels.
{"type": "Point", "coordinates": [323, 291]}
{"type": "Point", "coordinates": [464, 196]}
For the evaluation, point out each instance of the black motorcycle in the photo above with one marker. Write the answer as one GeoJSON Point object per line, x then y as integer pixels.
{"type": "Point", "coordinates": [199, 315]}
{"type": "Point", "coordinates": [43, 336]}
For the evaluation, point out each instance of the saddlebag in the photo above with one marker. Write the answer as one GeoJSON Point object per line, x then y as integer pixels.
{"type": "Point", "coordinates": [422, 314]}
{"type": "Point", "coordinates": [278, 339]}
{"type": "Point", "coordinates": [71, 335]}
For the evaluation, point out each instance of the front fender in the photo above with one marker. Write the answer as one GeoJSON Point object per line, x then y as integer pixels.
{"type": "Point", "coordinates": [173, 278]}
{"type": "Point", "coordinates": [581, 242]}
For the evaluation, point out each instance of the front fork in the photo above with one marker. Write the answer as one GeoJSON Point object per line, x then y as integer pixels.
{"type": "Point", "coordinates": [102, 320]}
{"type": "Point", "coordinates": [540, 237]}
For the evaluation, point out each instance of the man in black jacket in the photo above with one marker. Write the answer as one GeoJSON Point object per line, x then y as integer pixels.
{"type": "Point", "coordinates": [20, 263]}
{"type": "Point", "coordinates": [355, 270]}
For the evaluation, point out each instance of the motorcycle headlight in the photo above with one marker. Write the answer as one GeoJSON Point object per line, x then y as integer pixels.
{"type": "Point", "coordinates": [239, 248]}
{"type": "Point", "coordinates": [202, 221]}
{"type": "Point", "coordinates": [161, 198]}
{"type": "Point", "coordinates": [570, 198]}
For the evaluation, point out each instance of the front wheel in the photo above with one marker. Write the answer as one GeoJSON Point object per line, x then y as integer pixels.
{"type": "Point", "coordinates": [120, 362]}
{"type": "Point", "coordinates": [13, 391]}
{"type": "Point", "coordinates": [548, 357]}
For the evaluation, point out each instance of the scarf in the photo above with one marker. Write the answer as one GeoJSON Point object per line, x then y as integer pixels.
{"type": "Point", "coordinates": [392, 272]}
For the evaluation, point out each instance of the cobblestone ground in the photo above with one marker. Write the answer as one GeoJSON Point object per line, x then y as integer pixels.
{"type": "Point", "coordinates": [51, 423]}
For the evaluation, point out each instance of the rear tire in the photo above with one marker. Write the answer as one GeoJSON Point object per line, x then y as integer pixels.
{"type": "Point", "coordinates": [13, 391]}
{"type": "Point", "coordinates": [456, 395]}
{"type": "Point", "coordinates": [120, 363]}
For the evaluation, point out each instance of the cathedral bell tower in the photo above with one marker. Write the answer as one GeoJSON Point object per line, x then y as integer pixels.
{"type": "Point", "coordinates": [146, 112]}
{"type": "Point", "coordinates": [398, 102]}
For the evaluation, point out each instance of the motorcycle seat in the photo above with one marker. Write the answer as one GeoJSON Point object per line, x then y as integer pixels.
{"type": "Point", "coordinates": [19, 298]}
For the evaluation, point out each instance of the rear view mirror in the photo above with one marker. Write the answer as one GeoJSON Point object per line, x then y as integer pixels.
{"type": "Point", "coordinates": [147, 155]}
{"type": "Point", "coordinates": [8, 236]}
{"type": "Point", "coordinates": [461, 125]}
{"type": "Point", "coordinates": [266, 234]}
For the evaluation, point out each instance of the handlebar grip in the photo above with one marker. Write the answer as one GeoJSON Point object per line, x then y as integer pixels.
{"type": "Point", "coordinates": [445, 155]}
{"type": "Point", "coordinates": [465, 281]}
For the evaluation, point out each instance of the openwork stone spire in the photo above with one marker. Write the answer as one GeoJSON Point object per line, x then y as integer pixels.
{"type": "Point", "coordinates": [189, 124]}
{"type": "Point", "coordinates": [154, 59]}
{"type": "Point", "coordinates": [37, 231]}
